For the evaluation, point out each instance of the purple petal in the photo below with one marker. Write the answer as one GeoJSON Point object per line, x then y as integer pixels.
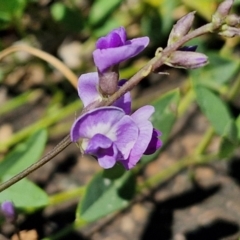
{"type": "Point", "coordinates": [112, 40]}
{"type": "Point", "coordinates": [124, 102]}
{"type": "Point", "coordinates": [188, 48]}
{"type": "Point", "coordinates": [104, 149]}
{"type": "Point", "coordinates": [96, 121]}
{"type": "Point", "coordinates": [155, 143]}
{"type": "Point", "coordinates": [143, 41]}
{"type": "Point", "coordinates": [144, 137]}
{"type": "Point", "coordinates": [87, 88]}
{"type": "Point", "coordinates": [106, 58]}
{"type": "Point", "coordinates": [143, 114]}
{"type": "Point", "coordinates": [122, 33]}
{"type": "Point", "coordinates": [8, 210]}
{"type": "Point", "coordinates": [126, 135]}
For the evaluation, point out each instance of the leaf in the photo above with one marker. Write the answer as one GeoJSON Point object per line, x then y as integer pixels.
{"type": "Point", "coordinates": [109, 191]}
{"type": "Point", "coordinates": [164, 117]}
{"type": "Point", "coordinates": [218, 72]}
{"type": "Point", "coordinates": [229, 140]}
{"type": "Point", "coordinates": [238, 127]}
{"type": "Point", "coordinates": [11, 8]}
{"type": "Point", "coordinates": [24, 194]}
{"type": "Point", "coordinates": [71, 18]}
{"type": "Point", "coordinates": [24, 154]}
{"type": "Point", "coordinates": [204, 7]}
{"type": "Point", "coordinates": [101, 11]}
{"type": "Point", "coordinates": [214, 108]}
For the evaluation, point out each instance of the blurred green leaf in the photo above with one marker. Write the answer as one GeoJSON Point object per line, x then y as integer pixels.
{"type": "Point", "coordinates": [71, 18]}
{"type": "Point", "coordinates": [24, 154]}
{"type": "Point", "coordinates": [214, 108]}
{"type": "Point", "coordinates": [10, 10]}
{"type": "Point", "coordinates": [164, 117]}
{"type": "Point", "coordinates": [109, 191]}
{"type": "Point", "coordinates": [238, 127]}
{"type": "Point", "coordinates": [204, 7]}
{"type": "Point", "coordinates": [218, 72]}
{"type": "Point", "coordinates": [25, 194]}
{"type": "Point", "coordinates": [229, 140]}
{"type": "Point", "coordinates": [166, 9]}
{"type": "Point", "coordinates": [101, 11]}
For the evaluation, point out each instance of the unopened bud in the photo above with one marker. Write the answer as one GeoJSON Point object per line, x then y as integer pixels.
{"type": "Point", "coordinates": [222, 12]}
{"type": "Point", "coordinates": [8, 210]}
{"type": "Point", "coordinates": [181, 28]}
{"type": "Point", "coordinates": [232, 20]}
{"type": "Point", "coordinates": [187, 60]}
{"type": "Point", "coordinates": [229, 32]}
{"type": "Point", "coordinates": [108, 81]}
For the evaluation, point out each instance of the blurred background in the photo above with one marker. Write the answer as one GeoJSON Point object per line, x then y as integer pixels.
{"type": "Point", "coordinates": [197, 202]}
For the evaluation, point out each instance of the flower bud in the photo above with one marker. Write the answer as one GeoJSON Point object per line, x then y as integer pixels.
{"type": "Point", "coordinates": [187, 60]}
{"type": "Point", "coordinates": [232, 20]}
{"type": "Point", "coordinates": [8, 210]}
{"type": "Point", "coordinates": [222, 12]}
{"type": "Point", "coordinates": [229, 32]}
{"type": "Point", "coordinates": [108, 81]}
{"type": "Point", "coordinates": [181, 28]}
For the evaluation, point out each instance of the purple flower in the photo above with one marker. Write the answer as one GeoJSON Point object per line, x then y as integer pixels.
{"type": "Point", "coordinates": [7, 208]}
{"type": "Point", "coordinates": [110, 133]}
{"type": "Point", "coordinates": [115, 48]}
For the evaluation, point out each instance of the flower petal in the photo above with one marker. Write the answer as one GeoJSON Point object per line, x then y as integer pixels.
{"type": "Point", "coordinates": [143, 41]}
{"type": "Point", "coordinates": [110, 41]}
{"type": "Point", "coordinates": [105, 58]}
{"type": "Point", "coordinates": [87, 88]}
{"type": "Point", "coordinates": [96, 121]}
{"type": "Point", "coordinates": [143, 114]}
{"type": "Point", "coordinates": [127, 134]}
{"type": "Point", "coordinates": [104, 149]}
{"type": "Point", "coordinates": [144, 137]}
{"type": "Point", "coordinates": [155, 143]}
{"type": "Point", "coordinates": [124, 102]}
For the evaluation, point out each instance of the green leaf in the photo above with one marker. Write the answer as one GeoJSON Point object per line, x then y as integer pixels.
{"type": "Point", "coordinates": [109, 191]}
{"type": "Point", "coordinates": [101, 11]}
{"type": "Point", "coordinates": [11, 8]}
{"type": "Point", "coordinates": [214, 108]}
{"type": "Point", "coordinates": [238, 127]}
{"type": "Point", "coordinates": [204, 7]}
{"type": "Point", "coordinates": [25, 194]}
{"type": "Point", "coordinates": [229, 140]}
{"type": "Point", "coordinates": [24, 154]}
{"type": "Point", "coordinates": [71, 18]}
{"type": "Point", "coordinates": [164, 117]}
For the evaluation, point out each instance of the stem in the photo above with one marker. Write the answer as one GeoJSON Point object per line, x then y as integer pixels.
{"type": "Point", "coordinates": [65, 196]}
{"type": "Point", "coordinates": [70, 76]}
{"type": "Point", "coordinates": [60, 147]}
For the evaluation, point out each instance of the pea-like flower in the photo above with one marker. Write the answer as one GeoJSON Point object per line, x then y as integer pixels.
{"type": "Point", "coordinates": [115, 48]}
{"type": "Point", "coordinates": [110, 133]}
{"type": "Point", "coordinates": [8, 210]}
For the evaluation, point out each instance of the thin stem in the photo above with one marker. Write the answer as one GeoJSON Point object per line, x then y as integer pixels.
{"type": "Point", "coordinates": [60, 147]}
{"type": "Point", "coordinates": [70, 76]}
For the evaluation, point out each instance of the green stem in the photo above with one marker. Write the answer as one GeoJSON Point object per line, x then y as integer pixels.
{"type": "Point", "coordinates": [174, 169]}
{"type": "Point", "coordinates": [43, 123]}
{"type": "Point", "coordinates": [204, 142]}
{"type": "Point", "coordinates": [235, 89]}
{"type": "Point", "coordinates": [18, 101]}
{"type": "Point", "coordinates": [65, 196]}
